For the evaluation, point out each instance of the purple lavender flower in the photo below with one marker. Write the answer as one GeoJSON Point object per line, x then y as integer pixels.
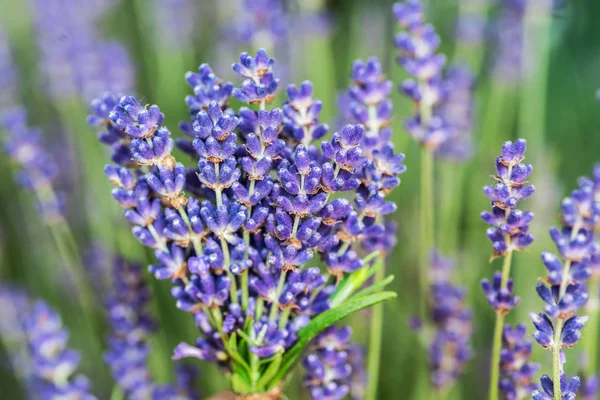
{"type": "Point", "coordinates": [54, 363]}
{"type": "Point", "coordinates": [262, 21]}
{"type": "Point", "coordinates": [331, 365]}
{"type": "Point", "coordinates": [568, 389]}
{"type": "Point", "coordinates": [564, 291]}
{"type": "Point", "coordinates": [177, 18]}
{"type": "Point", "coordinates": [517, 370]}
{"type": "Point", "coordinates": [8, 74]}
{"type": "Point", "coordinates": [131, 326]}
{"type": "Point", "coordinates": [76, 62]}
{"type": "Point", "coordinates": [458, 112]}
{"type": "Point", "coordinates": [510, 230]}
{"type": "Point", "coordinates": [418, 45]}
{"type": "Point", "coordinates": [589, 388]}
{"type": "Point", "coordinates": [259, 83]}
{"type": "Point", "coordinates": [37, 170]}
{"type": "Point", "coordinates": [450, 347]}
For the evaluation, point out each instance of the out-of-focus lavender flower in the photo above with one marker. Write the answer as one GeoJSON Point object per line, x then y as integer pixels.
{"type": "Point", "coordinates": [131, 326]}
{"type": "Point", "coordinates": [75, 62]}
{"type": "Point", "coordinates": [450, 347]}
{"type": "Point", "coordinates": [471, 23]}
{"type": "Point", "coordinates": [261, 22]}
{"type": "Point", "coordinates": [238, 258]}
{"type": "Point", "coordinates": [590, 388]}
{"type": "Point", "coordinates": [37, 171]}
{"type": "Point", "coordinates": [14, 303]}
{"type": "Point", "coordinates": [8, 74]}
{"type": "Point", "coordinates": [517, 370]}
{"type": "Point", "coordinates": [418, 44]}
{"type": "Point", "coordinates": [331, 365]}
{"type": "Point", "coordinates": [564, 292]}
{"type": "Point", "coordinates": [177, 20]}
{"type": "Point", "coordinates": [54, 363]}
{"type": "Point", "coordinates": [510, 226]}
{"type": "Point", "coordinates": [458, 112]}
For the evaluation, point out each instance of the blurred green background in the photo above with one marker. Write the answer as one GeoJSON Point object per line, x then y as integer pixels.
{"type": "Point", "coordinates": [553, 106]}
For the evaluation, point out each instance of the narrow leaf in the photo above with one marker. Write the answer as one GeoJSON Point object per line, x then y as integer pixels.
{"type": "Point", "coordinates": [321, 322]}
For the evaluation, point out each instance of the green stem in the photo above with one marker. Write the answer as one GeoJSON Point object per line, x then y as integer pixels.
{"type": "Point", "coordinates": [426, 224]}
{"type": "Point", "coordinates": [591, 341]}
{"type": "Point", "coordinates": [556, 359]}
{"type": "Point", "coordinates": [496, 349]}
{"type": "Point", "coordinates": [497, 340]}
{"type": "Point", "coordinates": [375, 343]}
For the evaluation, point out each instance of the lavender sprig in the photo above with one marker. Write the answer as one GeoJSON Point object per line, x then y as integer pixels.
{"type": "Point", "coordinates": [564, 290]}
{"type": "Point", "coordinates": [450, 347]}
{"type": "Point", "coordinates": [509, 233]}
{"type": "Point", "coordinates": [516, 369]}
{"type": "Point", "coordinates": [333, 365]}
{"type": "Point", "coordinates": [54, 363]}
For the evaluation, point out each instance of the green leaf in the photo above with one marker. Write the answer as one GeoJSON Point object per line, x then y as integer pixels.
{"type": "Point", "coordinates": [373, 288]}
{"type": "Point", "coordinates": [270, 372]}
{"type": "Point", "coordinates": [353, 282]}
{"type": "Point", "coordinates": [319, 323]}
{"type": "Point", "coordinates": [240, 385]}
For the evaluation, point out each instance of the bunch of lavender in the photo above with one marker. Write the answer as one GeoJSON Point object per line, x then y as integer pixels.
{"type": "Point", "coordinates": [236, 233]}
{"type": "Point", "coordinates": [332, 370]}
{"type": "Point", "coordinates": [450, 347]}
{"type": "Point", "coordinates": [516, 369]}
{"type": "Point", "coordinates": [509, 233]}
{"type": "Point", "coordinates": [131, 325]}
{"type": "Point", "coordinates": [564, 290]}
{"type": "Point", "coordinates": [54, 364]}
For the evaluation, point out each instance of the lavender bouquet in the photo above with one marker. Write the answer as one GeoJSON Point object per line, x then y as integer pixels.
{"type": "Point", "coordinates": [238, 232]}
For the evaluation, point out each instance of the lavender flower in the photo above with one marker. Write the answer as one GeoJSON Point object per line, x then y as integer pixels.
{"type": "Point", "coordinates": [331, 365]}
{"type": "Point", "coordinates": [131, 326]}
{"type": "Point", "coordinates": [418, 45]}
{"type": "Point", "coordinates": [8, 74]}
{"type": "Point", "coordinates": [589, 388]}
{"type": "Point", "coordinates": [76, 63]}
{"type": "Point", "coordinates": [177, 18]}
{"type": "Point", "coordinates": [517, 370]}
{"type": "Point", "coordinates": [238, 258]}
{"type": "Point", "coordinates": [457, 111]}
{"type": "Point", "coordinates": [564, 292]}
{"type": "Point", "coordinates": [450, 347]}
{"type": "Point", "coordinates": [37, 171]}
{"type": "Point", "coordinates": [54, 362]}
{"type": "Point", "coordinates": [261, 22]}
{"type": "Point", "coordinates": [510, 230]}
{"type": "Point", "coordinates": [568, 389]}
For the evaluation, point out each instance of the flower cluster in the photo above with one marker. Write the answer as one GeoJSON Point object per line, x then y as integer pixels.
{"type": "Point", "coordinates": [563, 290]}
{"type": "Point", "coordinates": [235, 233]}
{"type": "Point", "coordinates": [590, 388]}
{"type": "Point", "coordinates": [131, 325]}
{"type": "Point", "coordinates": [517, 370]}
{"type": "Point", "coordinates": [450, 348]}
{"type": "Point", "coordinates": [53, 362]}
{"type": "Point", "coordinates": [37, 171]}
{"type": "Point", "coordinates": [332, 370]}
{"type": "Point", "coordinates": [510, 226]}
{"type": "Point", "coordinates": [77, 62]}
